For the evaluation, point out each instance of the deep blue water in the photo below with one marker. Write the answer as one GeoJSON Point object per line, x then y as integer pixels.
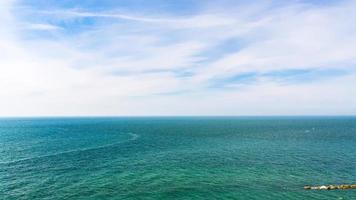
{"type": "Point", "coordinates": [176, 157]}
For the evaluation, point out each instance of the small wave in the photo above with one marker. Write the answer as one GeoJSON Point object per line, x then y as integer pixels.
{"type": "Point", "coordinates": [133, 137]}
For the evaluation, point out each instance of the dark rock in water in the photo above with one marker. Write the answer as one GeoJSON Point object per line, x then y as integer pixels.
{"type": "Point", "coordinates": [344, 187]}
{"type": "Point", "coordinates": [307, 187]}
{"type": "Point", "coordinates": [332, 187]}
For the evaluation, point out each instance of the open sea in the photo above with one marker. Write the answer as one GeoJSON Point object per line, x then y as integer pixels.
{"type": "Point", "coordinates": [254, 158]}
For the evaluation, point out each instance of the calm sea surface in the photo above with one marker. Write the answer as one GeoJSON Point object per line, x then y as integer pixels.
{"type": "Point", "coordinates": [176, 157]}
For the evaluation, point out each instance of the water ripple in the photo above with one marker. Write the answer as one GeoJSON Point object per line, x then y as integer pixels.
{"type": "Point", "coordinates": [132, 138]}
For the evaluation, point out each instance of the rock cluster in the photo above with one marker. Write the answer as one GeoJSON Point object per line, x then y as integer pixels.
{"type": "Point", "coordinates": [330, 187]}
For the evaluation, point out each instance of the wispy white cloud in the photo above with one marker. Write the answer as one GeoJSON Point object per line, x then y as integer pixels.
{"type": "Point", "coordinates": [295, 37]}
{"type": "Point", "coordinates": [198, 21]}
{"type": "Point", "coordinates": [42, 27]}
{"type": "Point", "coordinates": [119, 63]}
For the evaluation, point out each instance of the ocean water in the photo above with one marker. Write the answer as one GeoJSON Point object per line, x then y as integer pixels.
{"type": "Point", "coordinates": [258, 158]}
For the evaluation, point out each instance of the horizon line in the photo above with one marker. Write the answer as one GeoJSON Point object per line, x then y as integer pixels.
{"type": "Point", "coordinates": [155, 116]}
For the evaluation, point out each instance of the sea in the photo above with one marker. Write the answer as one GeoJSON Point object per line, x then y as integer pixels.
{"type": "Point", "coordinates": [243, 158]}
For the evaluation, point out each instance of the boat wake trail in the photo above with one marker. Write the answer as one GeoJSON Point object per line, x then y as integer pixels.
{"type": "Point", "coordinates": [133, 137]}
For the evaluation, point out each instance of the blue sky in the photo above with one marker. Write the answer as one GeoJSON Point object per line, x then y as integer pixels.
{"type": "Point", "coordinates": [170, 57]}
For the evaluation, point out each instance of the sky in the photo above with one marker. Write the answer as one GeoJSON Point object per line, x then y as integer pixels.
{"type": "Point", "coordinates": [177, 57]}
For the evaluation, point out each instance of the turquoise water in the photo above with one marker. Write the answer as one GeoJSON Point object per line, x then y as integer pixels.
{"type": "Point", "coordinates": [176, 157]}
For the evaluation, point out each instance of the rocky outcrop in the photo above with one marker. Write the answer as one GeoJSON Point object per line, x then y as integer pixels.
{"type": "Point", "coordinates": [330, 187]}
